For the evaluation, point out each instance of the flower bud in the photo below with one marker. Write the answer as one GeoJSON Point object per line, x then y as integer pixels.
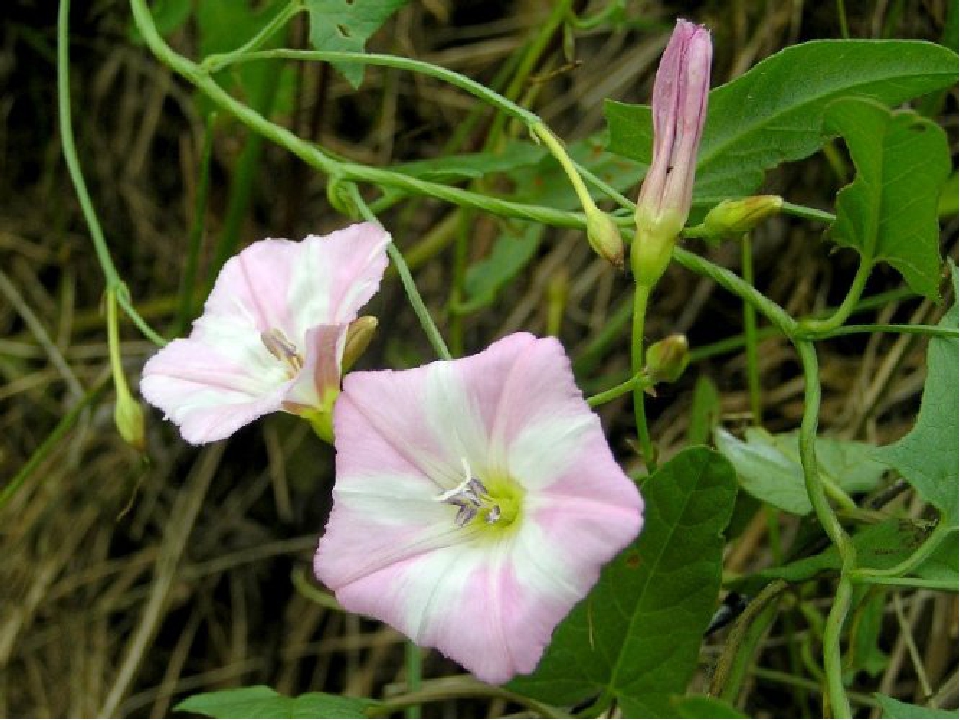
{"type": "Point", "coordinates": [667, 359]}
{"type": "Point", "coordinates": [604, 236]}
{"type": "Point", "coordinates": [128, 417]}
{"type": "Point", "coordinates": [679, 109]}
{"type": "Point", "coordinates": [735, 217]}
{"type": "Point", "coordinates": [359, 336]}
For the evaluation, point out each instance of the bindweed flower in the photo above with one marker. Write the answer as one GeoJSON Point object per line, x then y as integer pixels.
{"type": "Point", "coordinates": [679, 110]}
{"type": "Point", "coordinates": [271, 336]}
{"type": "Point", "coordinates": [475, 502]}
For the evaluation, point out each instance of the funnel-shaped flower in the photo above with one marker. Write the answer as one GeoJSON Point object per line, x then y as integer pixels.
{"type": "Point", "coordinates": [476, 501]}
{"type": "Point", "coordinates": [679, 111]}
{"type": "Point", "coordinates": [272, 333]}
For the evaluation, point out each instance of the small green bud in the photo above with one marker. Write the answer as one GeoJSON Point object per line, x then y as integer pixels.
{"type": "Point", "coordinates": [667, 359]}
{"type": "Point", "coordinates": [128, 416]}
{"type": "Point", "coordinates": [735, 217]}
{"type": "Point", "coordinates": [604, 236]}
{"type": "Point", "coordinates": [359, 336]}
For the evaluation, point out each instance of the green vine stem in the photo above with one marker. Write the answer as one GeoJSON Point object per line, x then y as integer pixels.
{"type": "Point", "coordinates": [750, 334]}
{"type": "Point", "coordinates": [816, 328]}
{"type": "Point", "coordinates": [639, 381]}
{"type": "Point", "coordinates": [406, 279]}
{"type": "Point", "coordinates": [836, 695]}
{"type": "Point", "coordinates": [641, 297]}
{"type": "Point", "coordinates": [901, 570]}
{"type": "Point", "coordinates": [68, 146]}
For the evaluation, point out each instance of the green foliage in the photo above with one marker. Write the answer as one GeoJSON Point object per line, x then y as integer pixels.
{"type": "Point", "coordinates": [546, 184]}
{"type": "Point", "coordinates": [895, 709]}
{"type": "Point", "coordinates": [927, 456]}
{"type": "Point", "coordinates": [346, 25]}
{"type": "Point", "coordinates": [768, 466]}
{"type": "Point", "coordinates": [772, 113]}
{"type": "Point", "coordinates": [512, 251]}
{"type": "Point", "coordinates": [471, 166]}
{"type": "Point", "coordinates": [260, 701]}
{"type": "Point", "coordinates": [637, 635]}
{"type": "Point", "coordinates": [225, 25]}
{"type": "Point", "coordinates": [700, 706]}
{"type": "Point", "coordinates": [864, 653]}
{"type": "Point", "coordinates": [889, 212]}
{"type": "Point", "coordinates": [705, 412]}
{"type": "Point", "coordinates": [880, 546]}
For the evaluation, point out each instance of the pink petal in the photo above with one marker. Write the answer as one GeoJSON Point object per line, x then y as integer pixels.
{"type": "Point", "coordinates": [392, 551]}
{"type": "Point", "coordinates": [210, 394]}
{"type": "Point", "coordinates": [336, 275]}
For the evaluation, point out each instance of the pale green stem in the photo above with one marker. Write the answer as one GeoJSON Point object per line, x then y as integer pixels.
{"type": "Point", "coordinates": [556, 149]}
{"type": "Point", "coordinates": [414, 662]}
{"type": "Point", "coordinates": [221, 60]}
{"type": "Point", "coordinates": [406, 279]}
{"type": "Point", "coordinates": [637, 381]}
{"type": "Point", "coordinates": [641, 296]}
{"type": "Point", "coordinates": [808, 213]}
{"type": "Point", "coordinates": [832, 657]}
{"type": "Point", "coordinates": [924, 551]}
{"type": "Point", "coordinates": [750, 335]}
{"type": "Point", "coordinates": [68, 145]}
{"type": "Point", "coordinates": [113, 345]}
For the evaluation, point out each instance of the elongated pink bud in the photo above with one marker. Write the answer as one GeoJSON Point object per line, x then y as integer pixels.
{"type": "Point", "coordinates": [679, 111]}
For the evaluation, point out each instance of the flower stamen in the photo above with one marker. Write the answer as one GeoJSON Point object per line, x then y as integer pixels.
{"type": "Point", "coordinates": [472, 498]}
{"type": "Point", "coordinates": [282, 349]}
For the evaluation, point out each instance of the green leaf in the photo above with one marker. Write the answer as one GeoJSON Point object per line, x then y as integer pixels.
{"type": "Point", "coordinates": [864, 653]}
{"type": "Point", "coordinates": [880, 546]}
{"type": "Point", "coordinates": [513, 249]}
{"type": "Point", "coordinates": [769, 468]}
{"type": "Point", "coordinates": [225, 25]}
{"type": "Point", "coordinates": [700, 706]}
{"type": "Point", "coordinates": [927, 456]}
{"type": "Point", "coordinates": [895, 709]}
{"type": "Point", "coordinates": [260, 701]}
{"type": "Point", "coordinates": [889, 212]}
{"type": "Point", "coordinates": [772, 113]}
{"type": "Point", "coordinates": [637, 635]}
{"type": "Point", "coordinates": [346, 25]}
{"type": "Point", "coordinates": [704, 412]}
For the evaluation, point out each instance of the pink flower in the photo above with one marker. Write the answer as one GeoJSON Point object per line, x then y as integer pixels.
{"type": "Point", "coordinates": [679, 112]}
{"type": "Point", "coordinates": [271, 336]}
{"type": "Point", "coordinates": [476, 501]}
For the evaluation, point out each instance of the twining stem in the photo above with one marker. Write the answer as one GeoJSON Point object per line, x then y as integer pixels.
{"type": "Point", "coordinates": [406, 279]}
{"type": "Point", "coordinates": [840, 315]}
{"type": "Point", "coordinates": [556, 149]}
{"type": "Point", "coordinates": [120, 386]}
{"type": "Point", "coordinates": [836, 695]}
{"type": "Point", "coordinates": [641, 296]}
{"type": "Point", "coordinates": [639, 381]}
{"type": "Point", "coordinates": [750, 334]}
{"type": "Point", "coordinates": [414, 662]}
{"type": "Point", "coordinates": [68, 145]}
